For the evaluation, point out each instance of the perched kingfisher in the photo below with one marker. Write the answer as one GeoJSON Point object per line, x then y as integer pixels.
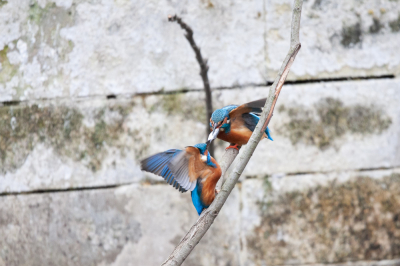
{"type": "Point", "coordinates": [190, 169]}
{"type": "Point", "coordinates": [235, 124]}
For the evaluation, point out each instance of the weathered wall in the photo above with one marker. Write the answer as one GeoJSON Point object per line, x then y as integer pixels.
{"type": "Point", "coordinates": [88, 88]}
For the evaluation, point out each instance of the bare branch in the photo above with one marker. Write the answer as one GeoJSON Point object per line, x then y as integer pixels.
{"type": "Point", "coordinates": [205, 220]}
{"type": "Point", "coordinates": [226, 161]}
{"type": "Point", "coordinates": [203, 71]}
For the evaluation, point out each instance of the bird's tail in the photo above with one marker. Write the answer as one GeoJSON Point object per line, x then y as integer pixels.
{"type": "Point", "coordinates": [268, 134]}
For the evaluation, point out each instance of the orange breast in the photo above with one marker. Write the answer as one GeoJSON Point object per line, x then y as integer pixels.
{"type": "Point", "coordinates": [237, 135]}
{"type": "Point", "coordinates": [210, 181]}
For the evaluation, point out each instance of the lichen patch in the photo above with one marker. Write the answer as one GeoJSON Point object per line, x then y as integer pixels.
{"type": "Point", "coordinates": [178, 104]}
{"type": "Point", "coordinates": [330, 119]}
{"type": "Point", "coordinates": [351, 221]}
{"type": "Point", "coordinates": [62, 128]}
{"type": "Point", "coordinates": [395, 24]}
{"type": "Point", "coordinates": [376, 26]}
{"type": "Point", "coordinates": [351, 35]}
{"type": "Point", "coordinates": [7, 70]}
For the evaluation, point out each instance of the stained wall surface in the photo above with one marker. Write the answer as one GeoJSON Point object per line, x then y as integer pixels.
{"type": "Point", "coordinates": [89, 88]}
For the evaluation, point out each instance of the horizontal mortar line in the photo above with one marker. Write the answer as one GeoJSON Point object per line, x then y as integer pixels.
{"type": "Point", "coordinates": [327, 80]}
{"type": "Point", "coordinates": [116, 96]}
{"type": "Point", "coordinates": [63, 190]}
{"type": "Point", "coordinates": [382, 262]}
{"type": "Point", "coordinates": [125, 95]}
{"type": "Point", "coordinates": [268, 83]}
{"type": "Point", "coordinates": [162, 92]}
{"type": "Point", "coordinates": [162, 182]}
{"type": "Point", "coordinates": [338, 171]}
{"type": "Point", "coordinates": [307, 81]}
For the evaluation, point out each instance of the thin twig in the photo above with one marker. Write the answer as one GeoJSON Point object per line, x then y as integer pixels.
{"type": "Point", "coordinates": [205, 220]}
{"type": "Point", "coordinates": [203, 71]}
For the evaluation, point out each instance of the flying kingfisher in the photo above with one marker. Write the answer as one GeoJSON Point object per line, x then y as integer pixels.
{"type": "Point", "coordinates": [191, 169]}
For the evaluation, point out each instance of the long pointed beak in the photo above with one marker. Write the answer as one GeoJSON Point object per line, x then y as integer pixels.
{"type": "Point", "coordinates": [213, 135]}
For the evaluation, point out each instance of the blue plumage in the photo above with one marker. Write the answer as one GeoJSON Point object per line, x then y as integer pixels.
{"type": "Point", "coordinates": [173, 166]}
{"type": "Point", "coordinates": [251, 120]}
{"type": "Point", "coordinates": [202, 147]}
{"type": "Point", "coordinates": [209, 162]}
{"type": "Point", "coordinates": [219, 115]}
{"type": "Point", "coordinates": [196, 199]}
{"type": "Point", "coordinates": [229, 108]}
{"type": "Point", "coordinates": [158, 164]}
{"type": "Point", "coordinates": [226, 127]}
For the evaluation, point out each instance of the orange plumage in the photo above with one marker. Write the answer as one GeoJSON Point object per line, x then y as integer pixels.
{"type": "Point", "coordinates": [190, 169]}
{"type": "Point", "coordinates": [210, 177]}
{"type": "Point", "coordinates": [235, 124]}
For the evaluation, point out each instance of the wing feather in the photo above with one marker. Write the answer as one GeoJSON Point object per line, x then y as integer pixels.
{"type": "Point", "coordinates": [251, 120]}
{"type": "Point", "coordinates": [187, 167]}
{"type": "Point", "coordinates": [158, 164]}
{"type": "Point", "coordinates": [257, 103]}
{"type": "Point", "coordinates": [180, 169]}
{"type": "Point", "coordinates": [179, 166]}
{"type": "Point", "coordinates": [250, 107]}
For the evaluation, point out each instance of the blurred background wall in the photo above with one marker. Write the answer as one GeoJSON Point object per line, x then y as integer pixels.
{"type": "Point", "coordinates": [88, 88]}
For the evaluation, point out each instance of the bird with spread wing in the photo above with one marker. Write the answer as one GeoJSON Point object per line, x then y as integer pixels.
{"type": "Point", "coordinates": [191, 169]}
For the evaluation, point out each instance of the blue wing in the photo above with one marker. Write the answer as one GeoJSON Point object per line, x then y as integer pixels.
{"type": "Point", "coordinates": [158, 164]}
{"type": "Point", "coordinates": [179, 165]}
{"type": "Point", "coordinates": [251, 120]}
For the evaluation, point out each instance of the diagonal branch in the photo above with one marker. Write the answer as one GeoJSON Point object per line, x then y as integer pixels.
{"type": "Point", "coordinates": [225, 162]}
{"type": "Point", "coordinates": [203, 70]}
{"type": "Point", "coordinates": [205, 220]}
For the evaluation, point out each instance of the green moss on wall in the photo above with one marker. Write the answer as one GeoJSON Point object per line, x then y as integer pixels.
{"type": "Point", "coordinates": [395, 24]}
{"type": "Point", "coordinates": [351, 221]}
{"type": "Point", "coordinates": [3, 2]}
{"type": "Point", "coordinates": [178, 104]}
{"type": "Point", "coordinates": [35, 13]}
{"type": "Point", "coordinates": [376, 26]}
{"type": "Point", "coordinates": [51, 19]}
{"type": "Point", "coordinates": [351, 35]}
{"type": "Point", "coordinates": [331, 119]}
{"type": "Point", "coordinates": [61, 127]}
{"type": "Point", "coordinates": [7, 70]}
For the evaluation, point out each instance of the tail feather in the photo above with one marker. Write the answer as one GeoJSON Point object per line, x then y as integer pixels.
{"type": "Point", "coordinates": [251, 120]}
{"type": "Point", "coordinates": [268, 134]}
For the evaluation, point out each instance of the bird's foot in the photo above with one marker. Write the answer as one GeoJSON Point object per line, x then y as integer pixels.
{"type": "Point", "coordinates": [231, 146]}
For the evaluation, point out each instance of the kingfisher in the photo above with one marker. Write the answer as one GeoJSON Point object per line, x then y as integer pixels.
{"type": "Point", "coordinates": [235, 124]}
{"type": "Point", "coordinates": [191, 169]}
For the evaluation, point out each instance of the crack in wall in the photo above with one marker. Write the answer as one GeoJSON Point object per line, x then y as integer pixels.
{"type": "Point", "coordinates": [153, 182]}
{"type": "Point", "coordinates": [182, 91]}
{"type": "Point", "coordinates": [64, 190]}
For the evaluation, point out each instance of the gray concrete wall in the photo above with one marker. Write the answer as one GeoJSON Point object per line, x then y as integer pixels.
{"type": "Point", "coordinates": [325, 191]}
